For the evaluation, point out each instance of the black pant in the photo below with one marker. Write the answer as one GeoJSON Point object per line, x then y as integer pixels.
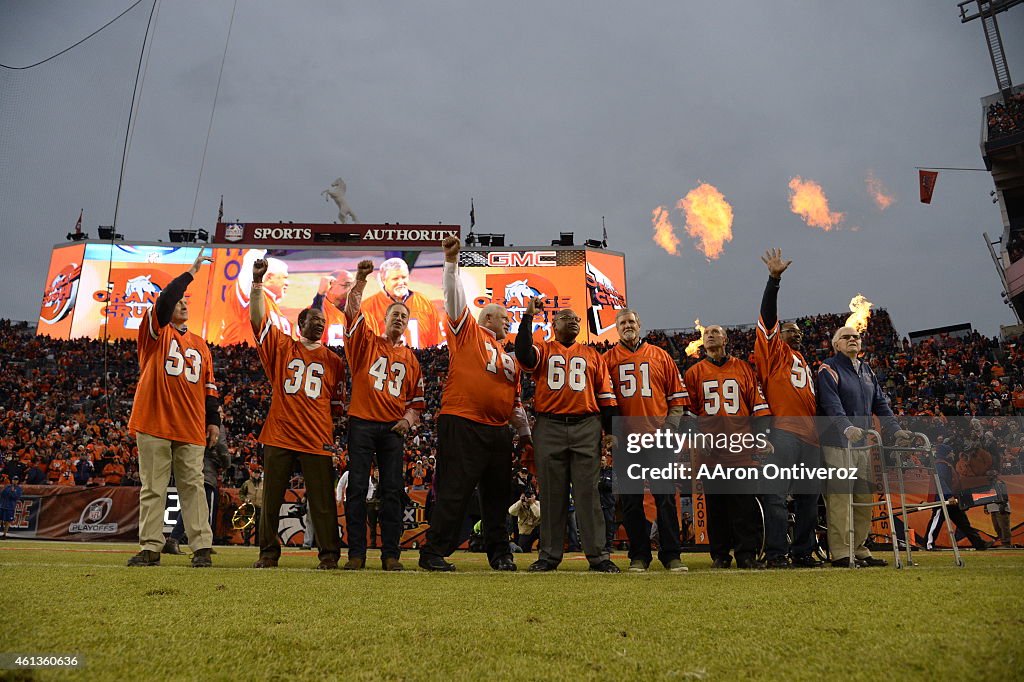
{"type": "Point", "coordinates": [470, 454]}
{"type": "Point", "coordinates": [734, 524]}
{"type": "Point", "coordinates": [638, 528]}
{"type": "Point", "coordinates": [254, 528]}
{"type": "Point", "coordinates": [959, 519]}
{"type": "Point", "coordinates": [525, 542]}
{"type": "Point", "coordinates": [318, 472]}
{"type": "Point", "coordinates": [791, 450]}
{"type": "Point", "coordinates": [366, 440]}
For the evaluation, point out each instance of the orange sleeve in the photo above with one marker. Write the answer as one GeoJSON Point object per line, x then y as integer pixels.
{"type": "Point", "coordinates": [675, 391]}
{"type": "Point", "coordinates": [767, 349]}
{"type": "Point", "coordinates": [415, 397]}
{"type": "Point", "coordinates": [754, 395]}
{"type": "Point", "coordinates": [461, 329]}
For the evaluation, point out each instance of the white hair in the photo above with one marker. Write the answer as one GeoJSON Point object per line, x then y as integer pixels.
{"type": "Point", "coordinates": [391, 264]}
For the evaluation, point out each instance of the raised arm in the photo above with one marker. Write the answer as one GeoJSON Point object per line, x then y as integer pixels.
{"type": "Point", "coordinates": [256, 302]}
{"type": "Point", "coordinates": [770, 300]}
{"type": "Point", "coordinates": [174, 291]}
{"type": "Point", "coordinates": [525, 352]}
{"type": "Point", "coordinates": [454, 295]}
{"type": "Point", "coordinates": [355, 294]}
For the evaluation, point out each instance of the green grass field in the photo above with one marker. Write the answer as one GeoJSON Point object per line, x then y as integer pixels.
{"type": "Point", "coordinates": [230, 622]}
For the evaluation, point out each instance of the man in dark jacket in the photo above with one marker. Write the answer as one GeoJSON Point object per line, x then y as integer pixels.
{"type": "Point", "coordinates": [850, 395]}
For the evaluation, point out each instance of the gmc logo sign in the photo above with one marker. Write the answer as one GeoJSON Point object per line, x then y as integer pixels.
{"type": "Point", "coordinates": [519, 259]}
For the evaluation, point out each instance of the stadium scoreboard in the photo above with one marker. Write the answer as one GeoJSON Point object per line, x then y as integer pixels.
{"type": "Point", "coordinates": [103, 289]}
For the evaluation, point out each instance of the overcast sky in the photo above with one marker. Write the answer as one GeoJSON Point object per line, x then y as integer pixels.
{"type": "Point", "coordinates": [550, 114]}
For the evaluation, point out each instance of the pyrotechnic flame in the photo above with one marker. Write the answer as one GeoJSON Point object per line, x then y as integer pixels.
{"type": "Point", "coordinates": [861, 309]}
{"type": "Point", "coordinates": [694, 346]}
{"type": "Point", "coordinates": [708, 219]}
{"type": "Point", "coordinates": [808, 200]}
{"type": "Point", "coordinates": [664, 233]}
{"type": "Point", "coordinates": [878, 192]}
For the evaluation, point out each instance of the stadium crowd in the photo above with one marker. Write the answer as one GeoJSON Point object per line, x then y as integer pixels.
{"type": "Point", "coordinates": [1006, 118]}
{"type": "Point", "coordinates": [64, 405]}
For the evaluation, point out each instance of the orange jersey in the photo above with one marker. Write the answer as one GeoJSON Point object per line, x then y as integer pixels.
{"type": "Point", "coordinates": [424, 322]}
{"type": "Point", "coordinates": [646, 381]}
{"type": "Point", "coordinates": [483, 380]}
{"type": "Point", "coordinates": [307, 384]}
{"type": "Point", "coordinates": [238, 328]}
{"type": "Point", "coordinates": [334, 325]}
{"type": "Point", "coordinates": [787, 383]}
{"type": "Point", "coordinates": [727, 390]}
{"type": "Point", "coordinates": [570, 379]}
{"type": "Point", "coordinates": [386, 378]}
{"type": "Point", "coordinates": [175, 376]}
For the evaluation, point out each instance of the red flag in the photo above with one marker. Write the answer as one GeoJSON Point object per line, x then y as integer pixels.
{"type": "Point", "coordinates": [220, 211]}
{"type": "Point", "coordinates": [78, 225]}
{"type": "Point", "coordinates": [927, 179]}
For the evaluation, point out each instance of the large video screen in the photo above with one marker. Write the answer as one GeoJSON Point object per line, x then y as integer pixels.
{"type": "Point", "coordinates": [103, 291]}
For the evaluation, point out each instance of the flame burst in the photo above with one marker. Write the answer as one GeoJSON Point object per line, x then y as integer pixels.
{"type": "Point", "coordinates": [708, 219]}
{"type": "Point", "coordinates": [664, 233]}
{"type": "Point", "coordinates": [808, 200]}
{"type": "Point", "coordinates": [694, 346]}
{"type": "Point", "coordinates": [861, 309]}
{"type": "Point", "coordinates": [878, 192]}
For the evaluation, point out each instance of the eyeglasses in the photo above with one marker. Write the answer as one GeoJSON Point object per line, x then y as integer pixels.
{"type": "Point", "coordinates": [850, 337]}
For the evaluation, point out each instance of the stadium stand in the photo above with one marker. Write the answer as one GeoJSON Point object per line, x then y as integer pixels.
{"type": "Point", "coordinates": [56, 407]}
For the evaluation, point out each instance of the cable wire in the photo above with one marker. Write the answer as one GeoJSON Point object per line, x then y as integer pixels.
{"type": "Point", "coordinates": [54, 56]}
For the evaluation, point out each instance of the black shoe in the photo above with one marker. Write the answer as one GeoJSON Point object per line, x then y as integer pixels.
{"type": "Point", "coordinates": [201, 558]}
{"type": "Point", "coordinates": [171, 547]}
{"type": "Point", "coordinates": [327, 565]}
{"type": "Point", "coordinates": [806, 561]}
{"type": "Point", "coordinates": [503, 563]}
{"type": "Point", "coordinates": [845, 563]}
{"type": "Point", "coordinates": [542, 566]}
{"type": "Point", "coordinates": [145, 558]}
{"type": "Point", "coordinates": [872, 562]}
{"type": "Point", "coordinates": [987, 544]}
{"type": "Point", "coordinates": [605, 566]}
{"type": "Point", "coordinates": [751, 564]}
{"type": "Point", "coordinates": [436, 564]}
{"type": "Point", "coordinates": [721, 563]}
{"type": "Point", "coordinates": [778, 562]}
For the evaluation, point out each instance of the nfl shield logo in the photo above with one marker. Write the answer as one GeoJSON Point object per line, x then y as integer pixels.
{"type": "Point", "coordinates": [95, 513]}
{"type": "Point", "coordinates": [234, 232]}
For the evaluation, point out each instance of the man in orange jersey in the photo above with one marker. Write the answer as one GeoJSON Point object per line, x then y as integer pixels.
{"type": "Point", "coordinates": [789, 388]}
{"type": "Point", "coordinates": [424, 328]}
{"type": "Point", "coordinates": [236, 322]}
{"type": "Point", "coordinates": [573, 400]}
{"type": "Point", "coordinates": [724, 388]}
{"type": "Point", "coordinates": [174, 417]}
{"type": "Point", "coordinates": [387, 397]}
{"type": "Point", "coordinates": [330, 297]}
{"type": "Point", "coordinates": [308, 384]}
{"type": "Point", "coordinates": [647, 385]}
{"type": "Point", "coordinates": [480, 399]}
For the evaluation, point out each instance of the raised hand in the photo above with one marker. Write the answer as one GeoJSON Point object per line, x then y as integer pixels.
{"type": "Point", "coordinates": [200, 259]}
{"type": "Point", "coordinates": [364, 269]}
{"type": "Point", "coordinates": [776, 265]}
{"type": "Point", "coordinates": [534, 305]}
{"type": "Point", "coordinates": [451, 246]}
{"type": "Point", "coordinates": [259, 268]}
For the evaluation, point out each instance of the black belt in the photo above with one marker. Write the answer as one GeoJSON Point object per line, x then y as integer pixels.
{"type": "Point", "coordinates": [567, 418]}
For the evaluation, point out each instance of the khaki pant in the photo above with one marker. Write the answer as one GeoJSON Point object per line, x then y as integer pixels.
{"type": "Point", "coordinates": [837, 505]}
{"type": "Point", "coordinates": [156, 456]}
